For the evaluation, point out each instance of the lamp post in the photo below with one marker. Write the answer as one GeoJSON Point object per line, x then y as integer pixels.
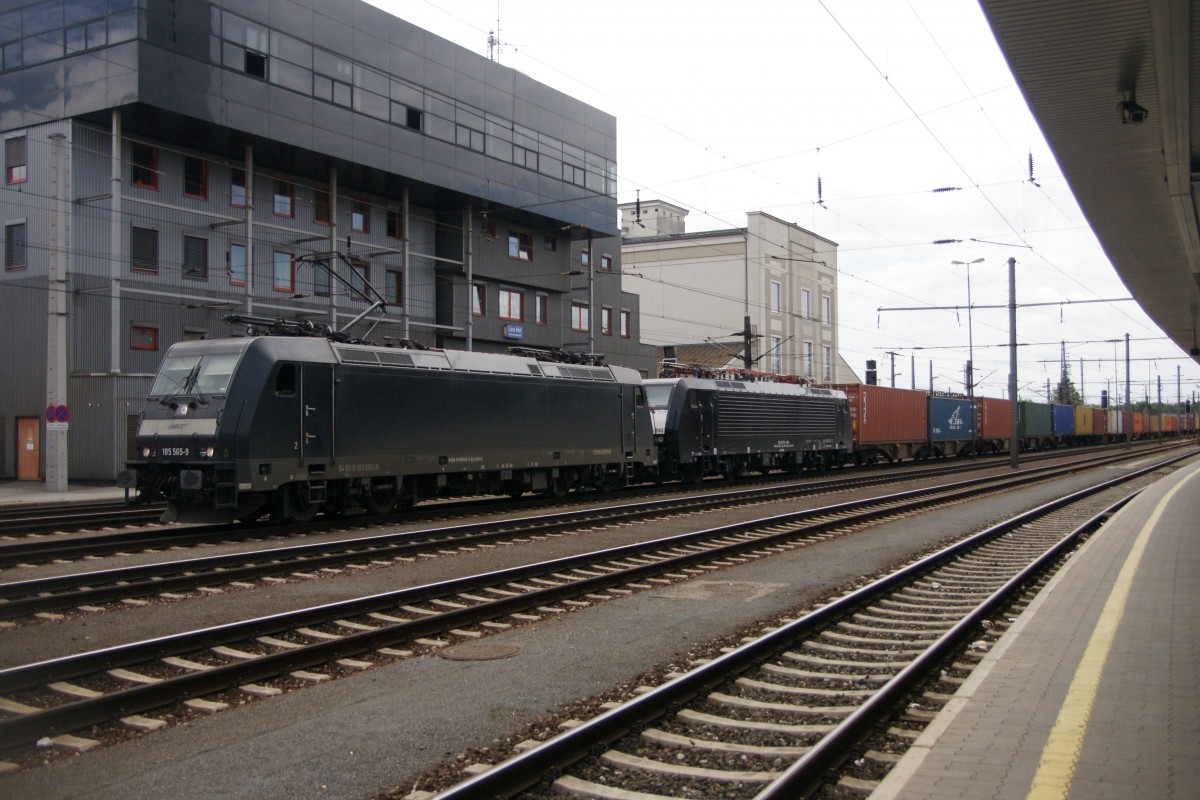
{"type": "Point", "coordinates": [970, 329]}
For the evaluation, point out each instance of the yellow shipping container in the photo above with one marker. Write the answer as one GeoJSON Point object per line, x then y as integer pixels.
{"type": "Point", "coordinates": [1083, 420]}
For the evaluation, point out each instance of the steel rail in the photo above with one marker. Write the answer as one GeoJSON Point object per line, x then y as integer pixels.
{"type": "Point", "coordinates": [526, 769]}
{"type": "Point", "coordinates": [41, 549]}
{"type": "Point", "coordinates": [18, 598]}
{"type": "Point", "coordinates": [28, 727]}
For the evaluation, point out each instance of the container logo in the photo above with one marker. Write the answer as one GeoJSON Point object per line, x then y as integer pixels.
{"type": "Point", "coordinates": [956, 420]}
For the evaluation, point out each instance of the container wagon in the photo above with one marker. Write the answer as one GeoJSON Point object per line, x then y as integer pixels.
{"type": "Point", "coordinates": [889, 423]}
{"type": "Point", "coordinates": [952, 427]}
{"type": "Point", "coordinates": [995, 424]}
{"type": "Point", "coordinates": [1033, 425]}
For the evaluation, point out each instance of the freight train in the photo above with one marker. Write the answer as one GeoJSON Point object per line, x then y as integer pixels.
{"type": "Point", "coordinates": [296, 425]}
{"type": "Point", "coordinates": [290, 426]}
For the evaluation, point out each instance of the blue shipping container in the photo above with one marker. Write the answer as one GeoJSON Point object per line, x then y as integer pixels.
{"type": "Point", "coordinates": [1062, 420]}
{"type": "Point", "coordinates": [951, 419]}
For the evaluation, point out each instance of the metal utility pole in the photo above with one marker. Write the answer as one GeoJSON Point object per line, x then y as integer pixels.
{"type": "Point", "coordinates": [57, 412]}
{"type": "Point", "coordinates": [1014, 458]}
{"type": "Point", "coordinates": [1128, 418]}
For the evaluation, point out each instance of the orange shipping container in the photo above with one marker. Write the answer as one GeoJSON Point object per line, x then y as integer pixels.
{"type": "Point", "coordinates": [883, 415]}
{"type": "Point", "coordinates": [995, 418]}
{"type": "Point", "coordinates": [1140, 425]}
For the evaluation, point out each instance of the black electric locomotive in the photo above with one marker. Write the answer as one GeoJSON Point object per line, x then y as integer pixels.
{"type": "Point", "coordinates": [730, 427]}
{"type": "Point", "coordinates": [293, 425]}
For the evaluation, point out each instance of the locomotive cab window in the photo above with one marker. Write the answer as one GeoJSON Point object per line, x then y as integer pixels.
{"type": "Point", "coordinates": [285, 380]}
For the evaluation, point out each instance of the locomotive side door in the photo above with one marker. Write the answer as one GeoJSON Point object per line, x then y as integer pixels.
{"type": "Point", "coordinates": [316, 412]}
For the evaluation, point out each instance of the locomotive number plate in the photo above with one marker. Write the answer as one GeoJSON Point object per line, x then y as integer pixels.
{"type": "Point", "coordinates": [175, 452]}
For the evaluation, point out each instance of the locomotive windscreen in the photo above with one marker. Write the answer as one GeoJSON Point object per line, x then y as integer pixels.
{"type": "Point", "coordinates": [206, 374]}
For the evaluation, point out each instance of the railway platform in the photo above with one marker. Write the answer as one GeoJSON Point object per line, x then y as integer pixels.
{"type": "Point", "coordinates": [35, 493]}
{"type": "Point", "coordinates": [1095, 691]}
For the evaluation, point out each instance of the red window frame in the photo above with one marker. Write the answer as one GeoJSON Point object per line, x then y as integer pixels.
{"type": "Point", "coordinates": [143, 329]}
{"type": "Point", "coordinates": [626, 323]}
{"type": "Point", "coordinates": [233, 281]}
{"type": "Point", "coordinates": [506, 310]}
{"type": "Point", "coordinates": [605, 321]}
{"type": "Point", "coordinates": [478, 293]}
{"type": "Point", "coordinates": [606, 263]}
{"type": "Point", "coordinates": [275, 284]}
{"type": "Point", "coordinates": [581, 317]}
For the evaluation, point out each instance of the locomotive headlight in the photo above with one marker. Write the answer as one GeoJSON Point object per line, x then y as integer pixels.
{"type": "Point", "coordinates": [145, 452]}
{"type": "Point", "coordinates": [208, 451]}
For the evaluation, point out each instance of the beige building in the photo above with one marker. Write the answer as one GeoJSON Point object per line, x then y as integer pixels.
{"type": "Point", "coordinates": [698, 288]}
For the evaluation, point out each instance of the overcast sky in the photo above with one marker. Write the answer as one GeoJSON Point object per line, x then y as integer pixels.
{"type": "Point", "coordinates": [724, 108]}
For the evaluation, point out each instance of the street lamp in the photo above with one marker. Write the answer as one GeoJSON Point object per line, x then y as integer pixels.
{"type": "Point", "coordinates": [970, 330]}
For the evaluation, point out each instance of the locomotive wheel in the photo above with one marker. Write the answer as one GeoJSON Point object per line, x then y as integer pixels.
{"type": "Point", "coordinates": [380, 495]}
{"type": "Point", "coordinates": [300, 509]}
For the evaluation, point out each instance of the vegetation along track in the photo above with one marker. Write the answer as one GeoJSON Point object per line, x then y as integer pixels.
{"type": "Point", "coordinates": [777, 716]}
{"type": "Point", "coordinates": [51, 698]}
{"type": "Point", "coordinates": [87, 589]}
{"type": "Point", "coordinates": [23, 538]}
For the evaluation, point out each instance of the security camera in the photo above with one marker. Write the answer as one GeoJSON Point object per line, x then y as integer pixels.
{"type": "Point", "coordinates": [1132, 112]}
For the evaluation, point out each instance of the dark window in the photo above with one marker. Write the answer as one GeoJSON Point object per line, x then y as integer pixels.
{"type": "Point", "coordinates": [413, 119]}
{"type": "Point", "coordinates": [195, 258]}
{"type": "Point", "coordinates": [143, 337]}
{"type": "Point", "coordinates": [237, 187]}
{"type": "Point", "coordinates": [285, 380]}
{"type": "Point", "coordinates": [14, 246]}
{"type": "Point", "coordinates": [195, 177]}
{"type": "Point", "coordinates": [14, 160]}
{"type": "Point", "coordinates": [255, 64]}
{"type": "Point", "coordinates": [143, 165]}
{"type": "Point", "coordinates": [550, 244]}
{"type": "Point", "coordinates": [360, 276]}
{"type": "Point", "coordinates": [322, 283]}
{"type": "Point", "coordinates": [284, 198]}
{"type": "Point", "coordinates": [321, 206]}
{"type": "Point", "coordinates": [395, 224]}
{"type": "Point", "coordinates": [143, 250]}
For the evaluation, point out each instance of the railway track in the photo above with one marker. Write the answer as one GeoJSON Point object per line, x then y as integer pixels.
{"type": "Point", "coordinates": [784, 715]}
{"type": "Point", "coordinates": [66, 517]}
{"type": "Point", "coordinates": [87, 589]}
{"type": "Point", "coordinates": [209, 668]}
{"type": "Point", "coordinates": [31, 550]}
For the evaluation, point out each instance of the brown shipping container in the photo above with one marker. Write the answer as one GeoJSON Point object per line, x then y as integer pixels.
{"type": "Point", "coordinates": [1099, 421]}
{"type": "Point", "coordinates": [883, 415]}
{"type": "Point", "coordinates": [995, 418]}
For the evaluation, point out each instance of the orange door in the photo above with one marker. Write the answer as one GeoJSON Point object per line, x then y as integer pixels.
{"type": "Point", "coordinates": [29, 448]}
